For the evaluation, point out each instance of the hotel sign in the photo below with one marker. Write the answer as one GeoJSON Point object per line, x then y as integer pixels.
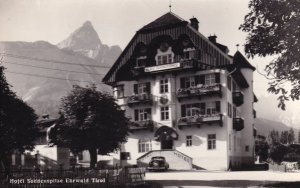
{"type": "Point", "coordinates": [162, 67]}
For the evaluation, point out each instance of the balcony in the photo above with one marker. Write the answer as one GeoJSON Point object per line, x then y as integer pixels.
{"type": "Point", "coordinates": [136, 99]}
{"type": "Point", "coordinates": [238, 123]}
{"type": "Point", "coordinates": [238, 98]}
{"type": "Point", "coordinates": [199, 120]}
{"type": "Point", "coordinates": [141, 125]}
{"type": "Point", "coordinates": [200, 90]}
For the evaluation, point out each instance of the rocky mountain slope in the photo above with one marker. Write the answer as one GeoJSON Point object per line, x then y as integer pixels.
{"type": "Point", "coordinates": [80, 59]}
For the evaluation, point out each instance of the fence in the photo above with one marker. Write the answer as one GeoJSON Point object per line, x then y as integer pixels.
{"type": "Point", "coordinates": [76, 178]}
{"type": "Point", "coordinates": [276, 167]}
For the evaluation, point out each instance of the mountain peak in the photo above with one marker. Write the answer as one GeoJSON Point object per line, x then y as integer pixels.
{"type": "Point", "coordinates": [84, 40]}
{"type": "Point", "coordinates": [87, 23]}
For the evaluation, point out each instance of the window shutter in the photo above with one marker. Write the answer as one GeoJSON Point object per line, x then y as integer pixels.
{"type": "Point", "coordinates": [148, 87]}
{"type": "Point", "coordinates": [183, 112]}
{"type": "Point", "coordinates": [182, 80]}
{"type": "Point", "coordinates": [148, 110]}
{"type": "Point", "coordinates": [202, 108]}
{"type": "Point", "coordinates": [136, 115]}
{"type": "Point", "coordinates": [217, 76]}
{"type": "Point", "coordinates": [197, 79]}
{"type": "Point", "coordinates": [218, 106]}
{"type": "Point", "coordinates": [135, 89]}
{"type": "Point", "coordinates": [202, 79]}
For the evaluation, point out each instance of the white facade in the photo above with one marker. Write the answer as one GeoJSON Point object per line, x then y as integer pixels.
{"type": "Point", "coordinates": [197, 98]}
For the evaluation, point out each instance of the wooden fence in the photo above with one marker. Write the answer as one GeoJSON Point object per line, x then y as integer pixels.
{"type": "Point", "coordinates": [76, 178]}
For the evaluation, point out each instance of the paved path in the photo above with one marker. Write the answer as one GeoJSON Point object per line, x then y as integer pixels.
{"type": "Point", "coordinates": [221, 175]}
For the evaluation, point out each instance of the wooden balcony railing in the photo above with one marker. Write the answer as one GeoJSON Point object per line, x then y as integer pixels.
{"type": "Point", "coordinates": [238, 123]}
{"type": "Point", "coordinates": [145, 98]}
{"type": "Point", "coordinates": [199, 120]}
{"type": "Point", "coordinates": [200, 90]}
{"type": "Point", "coordinates": [238, 98]}
{"type": "Point", "coordinates": [141, 125]}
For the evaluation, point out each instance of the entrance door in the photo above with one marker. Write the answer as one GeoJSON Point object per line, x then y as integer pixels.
{"type": "Point", "coordinates": [166, 144]}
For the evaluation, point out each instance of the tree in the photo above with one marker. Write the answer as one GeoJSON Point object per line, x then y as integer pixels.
{"type": "Point", "coordinates": [262, 149]}
{"type": "Point", "coordinates": [274, 137]}
{"type": "Point", "coordinates": [291, 136]}
{"type": "Point", "coordinates": [17, 123]}
{"type": "Point", "coordinates": [90, 120]}
{"type": "Point", "coordinates": [284, 137]}
{"type": "Point", "coordinates": [273, 29]}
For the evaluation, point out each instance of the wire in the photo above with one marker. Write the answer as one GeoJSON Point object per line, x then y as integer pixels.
{"type": "Point", "coordinates": [51, 61]}
{"type": "Point", "coordinates": [40, 67]}
{"type": "Point", "coordinates": [42, 76]}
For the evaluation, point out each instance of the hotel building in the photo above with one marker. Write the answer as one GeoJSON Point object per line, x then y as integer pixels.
{"type": "Point", "coordinates": [187, 98]}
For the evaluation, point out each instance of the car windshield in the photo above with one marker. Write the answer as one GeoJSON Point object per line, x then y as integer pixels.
{"type": "Point", "coordinates": [158, 158]}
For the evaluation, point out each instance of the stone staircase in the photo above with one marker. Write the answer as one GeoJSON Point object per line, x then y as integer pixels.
{"type": "Point", "coordinates": [176, 159]}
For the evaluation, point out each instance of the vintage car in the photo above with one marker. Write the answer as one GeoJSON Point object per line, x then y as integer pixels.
{"type": "Point", "coordinates": [158, 163]}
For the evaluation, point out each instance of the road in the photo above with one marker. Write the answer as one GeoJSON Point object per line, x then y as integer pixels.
{"type": "Point", "coordinates": [210, 179]}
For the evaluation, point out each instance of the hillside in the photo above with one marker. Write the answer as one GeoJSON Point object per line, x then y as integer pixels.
{"type": "Point", "coordinates": [33, 78]}
{"type": "Point", "coordinates": [265, 126]}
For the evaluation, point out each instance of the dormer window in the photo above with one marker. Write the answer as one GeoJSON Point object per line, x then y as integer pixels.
{"type": "Point", "coordinates": [188, 53]}
{"type": "Point", "coordinates": [164, 55]}
{"type": "Point", "coordinates": [164, 59]}
{"type": "Point", "coordinates": [141, 61]}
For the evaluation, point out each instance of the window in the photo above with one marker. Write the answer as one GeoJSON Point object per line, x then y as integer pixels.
{"type": "Point", "coordinates": [210, 79]}
{"type": "Point", "coordinates": [125, 156]}
{"type": "Point", "coordinates": [164, 59]}
{"type": "Point", "coordinates": [119, 91]}
{"type": "Point", "coordinates": [142, 114]}
{"type": "Point", "coordinates": [189, 82]}
{"type": "Point", "coordinates": [142, 88]}
{"type": "Point", "coordinates": [164, 86]}
{"type": "Point", "coordinates": [191, 109]}
{"type": "Point", "coordinates": [141, 61]}
{"type": "Point", "coordinates": [189, 141]}
{"type": "Point", "coordinates": [234, 112]}
{"type": "Point", "coordinates": [229, 83]}
{"type": "Point", "coordinates": [211, 108]}
{"type": "Point", "coordinates": [247, 148]}
{"type": "Point", "coordinates": [211, 141]}
{"type": "Point", "coordinates": [229, 110]}
{"type": "Point", "coordinates": [144, 145]}
{"type": "Point", "coordinates": [164, 113]}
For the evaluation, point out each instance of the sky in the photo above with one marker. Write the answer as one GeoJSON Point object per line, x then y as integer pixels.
{"type": "Point", "coordinates": [116, 21]}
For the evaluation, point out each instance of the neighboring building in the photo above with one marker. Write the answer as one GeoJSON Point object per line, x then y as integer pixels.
{"type": "Point", "coordinates": [187, 98]}
{"type": "Point", "coordinates": [43, 156]}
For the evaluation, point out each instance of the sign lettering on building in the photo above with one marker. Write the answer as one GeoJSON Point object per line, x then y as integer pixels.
{"type": "Point", "coordinates": [162, 67]}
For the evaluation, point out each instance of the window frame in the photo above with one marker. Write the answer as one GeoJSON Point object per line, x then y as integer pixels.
{"type": "Point", "coordinates": [211, 141]}
{"type": "Point", "coordinates": [164, 113]}
{"type": "Point", "coordinates": [189, 141]}
{"type": "Point", "coordinates": [211, 107]}
{"type": "Point", "coordinates": [117, 90]}
{"type": "Point", "coordinates": [144, 145]}
{"type": "Point", "coordinates": [210, 79]}
{"type": "Point", "coordinates": [164, 86]}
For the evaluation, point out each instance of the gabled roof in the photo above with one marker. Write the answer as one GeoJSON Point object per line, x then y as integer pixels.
{"type": "Point", "coordinates": [240, 61]}
{"type": "Point", "coordinates": [166, 19]}
{"type": "Point", "coordinates": [168, 24]}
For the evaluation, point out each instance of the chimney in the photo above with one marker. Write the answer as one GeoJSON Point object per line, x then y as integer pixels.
{"type": "Point", "coordinates": [194, 23]}
{"type": "Point", "coordinates": [213, 39]}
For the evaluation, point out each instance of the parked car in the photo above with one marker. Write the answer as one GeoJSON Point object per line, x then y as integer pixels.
{"type": "Point", "coordinates": [158, 163]}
